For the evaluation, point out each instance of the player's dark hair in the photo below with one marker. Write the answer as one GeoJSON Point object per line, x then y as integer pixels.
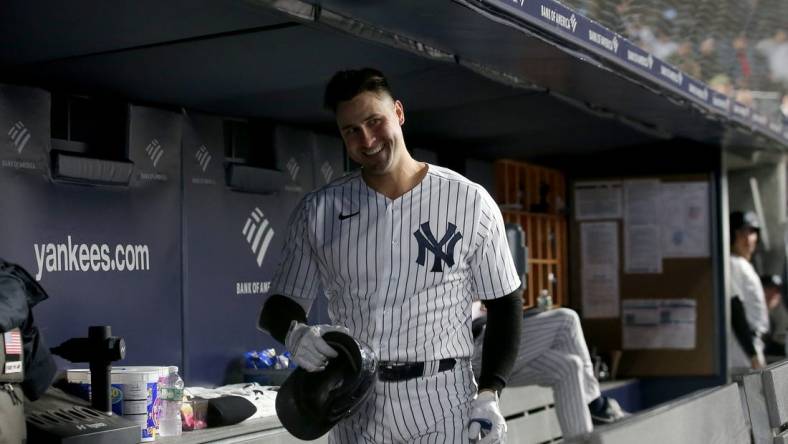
{"type": "Point", "coordinates": [345, 85]}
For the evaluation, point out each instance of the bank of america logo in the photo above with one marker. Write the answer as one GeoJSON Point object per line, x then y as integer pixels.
{"type": "Point", "coordinates": [327, 171]}
{"type": "Point", "coordinates": [293, 168]}
{"type": "Point", "coordinates": [154, 151]}
{"type": "Point", "coordinates": [258, 233]}
{"type": "Point", "coordinates": [20, 135]}
{"type": "Point", "coordinates": [203, 157]}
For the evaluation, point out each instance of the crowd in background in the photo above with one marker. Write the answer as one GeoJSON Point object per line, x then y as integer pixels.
{"type": "Point", "coordinates": [738, 47]}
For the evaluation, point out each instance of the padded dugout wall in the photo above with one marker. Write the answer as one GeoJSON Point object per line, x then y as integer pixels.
{"type": "Point", "coordinates": [232, 243]}
{"type": "Point", "coordinates": [194, 301]}
{"type": "Point", "coordinates": [230, 240]}
{"type": "Point", "coordinates": [106, 255]}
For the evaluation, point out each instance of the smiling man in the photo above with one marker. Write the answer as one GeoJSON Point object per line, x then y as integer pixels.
{"type": "Point", "coordinates": [401, 249]}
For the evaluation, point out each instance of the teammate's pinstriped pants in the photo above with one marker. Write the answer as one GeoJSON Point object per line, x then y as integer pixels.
{"type": "Point", "coordinates": [553, 353]}
{"type": "Point", "coordinates": [430, 409]}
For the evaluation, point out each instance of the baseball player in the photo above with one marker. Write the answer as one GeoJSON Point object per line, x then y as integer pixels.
{"type": "Point", "coordinates": [401, 249]}
{"type": "Point", "coordinates": [749, 314]}
{"type": "Point", "coordinates": [555, 355]}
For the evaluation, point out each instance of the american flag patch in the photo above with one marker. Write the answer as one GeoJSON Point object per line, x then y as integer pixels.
{"type": "Point", "coordinates": [13, 342]}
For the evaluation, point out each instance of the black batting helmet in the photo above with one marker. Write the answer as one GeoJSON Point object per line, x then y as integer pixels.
{"type": "Point", "coordinates": [309, 404]}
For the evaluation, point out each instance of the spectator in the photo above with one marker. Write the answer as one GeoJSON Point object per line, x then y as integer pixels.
{"type": "Point", "coordinates": [684, 59]}
{"type": "Point", "coordinates": [775, 50]}
{"type": "Point", "coordinates": [742, 65]}
{"type": "Point", "coordinates": [709, 59]}
{"type": "Point", "coordinates": [722, 84]}
{"type": "Point", "coordinates": [744, 96]}
{"type": "Point", "coordinates": [663, 47]}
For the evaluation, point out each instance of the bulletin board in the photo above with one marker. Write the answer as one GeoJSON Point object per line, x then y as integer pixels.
{"type": "Point", "coordinates": [689, 280]}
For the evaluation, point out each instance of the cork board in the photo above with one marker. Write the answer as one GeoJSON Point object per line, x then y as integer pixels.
{"type": "Point", "coordinates": [681, 278]}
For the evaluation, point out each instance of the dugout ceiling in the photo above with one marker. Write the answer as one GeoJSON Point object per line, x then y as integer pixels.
{"type": "Point", "coordinates": [486, 77]}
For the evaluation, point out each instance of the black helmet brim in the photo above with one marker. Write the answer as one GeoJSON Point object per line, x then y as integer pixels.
{"type": "Point", "coordinates": [309, 404]}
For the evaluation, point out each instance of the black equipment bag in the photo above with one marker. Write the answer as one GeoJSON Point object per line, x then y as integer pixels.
{"type": "Point", "coordinates": [26, 366]}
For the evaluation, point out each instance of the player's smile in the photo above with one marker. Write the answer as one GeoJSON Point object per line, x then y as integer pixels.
{"type": "Point", "coordinates": [377, 158]}
{"type": "Point", "coordinates": [373, 151]}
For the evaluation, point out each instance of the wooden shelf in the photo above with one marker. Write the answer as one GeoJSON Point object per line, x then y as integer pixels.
{"type": "Point", "coordinates": [532, 189]}
{"type": "Point", "coordinates": [535, 198]}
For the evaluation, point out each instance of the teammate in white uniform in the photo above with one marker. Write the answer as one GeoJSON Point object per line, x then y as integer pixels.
{"type": "Point", "coordinates": [749, 313]}
{"type": "Point", "coordinates": [555, 355]}
{"type": "Point", "coordinates": [401, 248]}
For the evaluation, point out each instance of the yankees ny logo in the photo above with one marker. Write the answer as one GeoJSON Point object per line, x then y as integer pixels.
{"type": "Point", "coordinates": [428, 242]}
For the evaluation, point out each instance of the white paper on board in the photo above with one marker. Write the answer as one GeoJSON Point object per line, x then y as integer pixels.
{"type": "Point", "coordinates": [598, 200]}
{"type": "Point", "coordinates": [599, 269]}
{"type": "Point", "coordinates": [642, 239]}
{"type": "Point", "coordinates": [658, 324]}
{"type": "Point", "coordinates": [685, 219]}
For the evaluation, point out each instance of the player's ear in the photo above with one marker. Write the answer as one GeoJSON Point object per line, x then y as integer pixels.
{"type": "Point", "coordinates": [399, 110]}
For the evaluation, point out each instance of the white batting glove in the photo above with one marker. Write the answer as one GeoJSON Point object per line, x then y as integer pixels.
{"type": "Point", "coordinates": [486, 425]}
{"type": "Point", "coordinates": [307, 347]}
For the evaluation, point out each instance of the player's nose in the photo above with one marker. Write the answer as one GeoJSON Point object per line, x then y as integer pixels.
{"type": "Point", "coordinates": [368, 138]}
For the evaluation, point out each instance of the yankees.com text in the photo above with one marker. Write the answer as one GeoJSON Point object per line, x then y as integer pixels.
{"type": "Point", "coordinates": [71, 256]}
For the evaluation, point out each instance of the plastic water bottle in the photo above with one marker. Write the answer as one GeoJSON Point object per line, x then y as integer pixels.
{"type": "Point", "coordinates": [171, 396]}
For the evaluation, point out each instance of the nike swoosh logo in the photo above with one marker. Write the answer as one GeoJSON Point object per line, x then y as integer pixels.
{"type": "Point", "coordinates": [345, 216]}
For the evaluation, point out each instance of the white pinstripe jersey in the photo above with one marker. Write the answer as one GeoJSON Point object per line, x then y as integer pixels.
{"type": "Point", "coordinates": [400, 274]}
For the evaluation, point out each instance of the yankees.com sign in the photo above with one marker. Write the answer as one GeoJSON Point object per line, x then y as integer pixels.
{"type": "Point", "coordinates": [71, 256]}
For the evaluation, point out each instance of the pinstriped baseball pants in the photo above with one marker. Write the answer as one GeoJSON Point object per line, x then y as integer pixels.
{"type": "Point", "coordinates": [430, 409]}
{"type": "Point", "coordinates": [553, 353]}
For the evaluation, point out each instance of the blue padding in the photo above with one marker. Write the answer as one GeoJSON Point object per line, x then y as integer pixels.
{"type": "Point", "coordinates": [626, 392]}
